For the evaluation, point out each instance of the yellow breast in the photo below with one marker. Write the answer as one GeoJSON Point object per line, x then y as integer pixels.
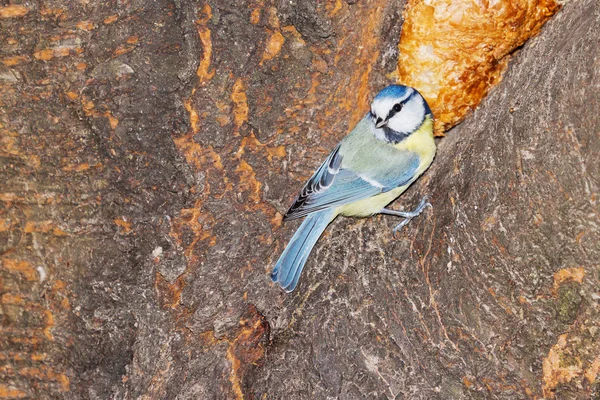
{"type": "Point", "coordinates": [420, 142]}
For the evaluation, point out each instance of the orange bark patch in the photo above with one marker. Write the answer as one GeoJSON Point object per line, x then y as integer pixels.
{"type": "Point", "coordinates": [122, 49]}
{"type": "Point", "coordinates": [13, 11]}
{"type": "Point", "coordinates": [9, 392]}
{"type": "Point", "coordinates": [454, 51]}
{"type": "Point", "coordinates": [169, 294]}
{"type": "Point", "coordinates": [47, 374]}
{"type": "Point", "coordinates": [275, 152]}
{"type": "Point", "coordinates": [337, 6]}
{"type": "Point", "coordinates": [10, 197]}
{"type": "Point", "coordinates": [198, 222]}
{"type": "Point", "coordinates": [38, 356]}
{"type": "Point", "coordinates": [197, 155]}
{"type": "Point", "coordinates": [49, 324]}
{"type": "Point", "coordinates": [44, 55]}
{"type": "Point", "coordinates": [205, 159]}
{"type": "Point", "coordinates": [249, 142]}
{"type": "Point", "coordinates": [20, 266]}
{"type": "Point", "coordinates": [43, 227]}
{"type": "Point", "coordinates": [248, 182]}
{"type": "Point", "coordinates": [255, 16]}
{"type": "Point", "coordinates": [113, 122]}
{"type": "Point", "coordinates": [87, 106]}
{"type": "Point", "coordinates": [467, 382]}
{"type": "Point", "coordinates": [247, 349]}
{"type": "Point", "coordinates": [559, 367]}
{"type": "Point", "coordinates": [273, 47]}
{"type": "Point", "coordinates": [85, 25]}
{"type": "Point", "coordinates": [203, 72]}
{"type": "Point", "coordinates": [12, 61]}
{"type": "Point", "coordinates": [6, 224]}
{"type": "Point", "coordinates": [575, 274]}
{"type": "Point", "coordinates": [9, 298]}
{"type": "Point", "coordinates": [9, 144]}
{"type": "Point", "coordinates": [58, 51]}
{"type": "Point", "coordinates": [76, 167]}
{"type": "Point", "coordinates": [54, 12]}
{"type": "Point", "coordinates": [277, 220]}
{"type": "Point", "coordinates": [56, 231]}
{"type": "Point", "coordinates": [123, 224]}
{"type": "Point", "coordinates": [592, 372]}
{"type": "Point", "coordinates": [193, 115]}
{"type": "Point", "coordinates": [240, 110]}
{"type": "Point", "coordinates": [111, 19]}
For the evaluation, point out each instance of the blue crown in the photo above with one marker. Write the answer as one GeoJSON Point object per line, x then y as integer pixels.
{"type": "Point", "coordinates": [399, 91]}
{"type": "Point", "coordinates": [392, 91]}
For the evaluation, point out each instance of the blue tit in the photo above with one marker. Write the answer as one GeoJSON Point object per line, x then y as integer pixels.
{"type": "Point", "coordinates": [377, 161]}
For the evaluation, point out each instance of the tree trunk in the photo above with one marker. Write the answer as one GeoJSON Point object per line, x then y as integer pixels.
{"type": "Point", "coordinates": [149, 150]}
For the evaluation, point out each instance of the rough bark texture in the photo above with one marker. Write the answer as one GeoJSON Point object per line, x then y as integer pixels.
{"type": "Point", "coordinates": [149, 149]}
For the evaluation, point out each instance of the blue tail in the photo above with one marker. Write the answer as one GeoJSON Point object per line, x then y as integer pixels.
{"type": "Point", "coordinates": [291, 262]}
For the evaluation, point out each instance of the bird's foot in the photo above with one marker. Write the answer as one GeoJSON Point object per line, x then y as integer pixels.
{"type": "Point", "coordinates": [408, 215]}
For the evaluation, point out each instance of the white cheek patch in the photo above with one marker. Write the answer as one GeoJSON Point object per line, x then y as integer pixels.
{"type": "Point", "coordinates": [411, 116]}
{"type": "Point", "coordinates": [378, 133]}
{"type": "Point", "coordinates": [382, 107]}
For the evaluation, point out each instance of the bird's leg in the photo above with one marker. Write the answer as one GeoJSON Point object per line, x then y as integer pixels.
{"type": "Point", "coordinates": [407, 215]}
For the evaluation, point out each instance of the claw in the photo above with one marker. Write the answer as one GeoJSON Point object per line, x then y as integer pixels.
{"type": "Point", "coordinates": [408, 216]}
{"type": "Point", "coordinates": [401, 225]}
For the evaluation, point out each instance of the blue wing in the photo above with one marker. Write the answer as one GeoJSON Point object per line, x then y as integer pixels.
{"type": "Point", "coordinates": [332, 185]}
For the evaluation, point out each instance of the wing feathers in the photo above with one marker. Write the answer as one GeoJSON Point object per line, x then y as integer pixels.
{"type": "Point", "coordinates": [333, 185]}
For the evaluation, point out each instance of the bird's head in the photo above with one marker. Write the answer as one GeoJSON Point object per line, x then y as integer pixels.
{"type": "Point", "coordinates": [396, 112]}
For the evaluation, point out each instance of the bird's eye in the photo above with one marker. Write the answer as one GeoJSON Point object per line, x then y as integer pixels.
{"type": "Point", "coordinates": [397, 107]}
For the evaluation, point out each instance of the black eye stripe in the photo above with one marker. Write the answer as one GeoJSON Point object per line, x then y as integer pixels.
{"type": "Point", "coordinates": [395, 109]}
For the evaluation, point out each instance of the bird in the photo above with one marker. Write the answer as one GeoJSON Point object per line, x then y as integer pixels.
{"type": "Point", "coordinates": [389, 148]}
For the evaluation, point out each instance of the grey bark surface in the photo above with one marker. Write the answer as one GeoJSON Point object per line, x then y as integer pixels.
{"type": "Point", "coordinates": [136, 253]}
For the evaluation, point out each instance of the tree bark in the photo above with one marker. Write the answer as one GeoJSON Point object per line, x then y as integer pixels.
{"type": "Point", "coordinates": [149, 149]}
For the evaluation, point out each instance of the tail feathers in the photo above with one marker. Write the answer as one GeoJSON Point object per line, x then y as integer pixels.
{"type": "Point", "coordinates": [291, 262]}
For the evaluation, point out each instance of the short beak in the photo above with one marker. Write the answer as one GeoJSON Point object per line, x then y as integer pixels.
{"type": "Point", "coordinates": [380, 123]}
